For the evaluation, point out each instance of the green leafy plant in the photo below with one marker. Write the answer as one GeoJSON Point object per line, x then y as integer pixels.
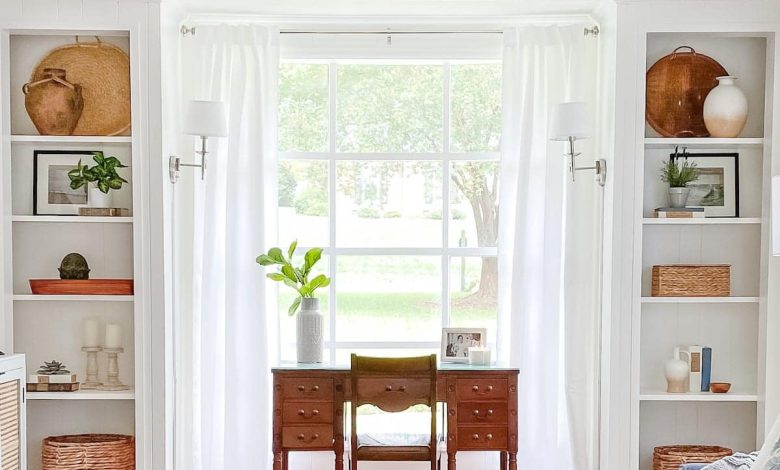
{"type": "Point", "coordinates": [679, 175]}
{"type": "Point", "coordinates": [296, 278]}
{"type": "Point", "coordinates": [103, 174]}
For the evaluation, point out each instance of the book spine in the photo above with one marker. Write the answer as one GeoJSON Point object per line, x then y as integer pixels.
{"type": "Point", "coordinates": [52, 379]}
{"type": "Point", "coordinates": [695, 369]}
{"type": "Point", "coordinates": [706, 369]}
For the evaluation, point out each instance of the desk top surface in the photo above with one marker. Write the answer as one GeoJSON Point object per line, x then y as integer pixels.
{"type": "Point", "coordinates": [443, 366]}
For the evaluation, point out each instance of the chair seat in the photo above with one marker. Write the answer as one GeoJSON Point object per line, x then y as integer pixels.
{"type": "Point", "coordinates": [393, 453]}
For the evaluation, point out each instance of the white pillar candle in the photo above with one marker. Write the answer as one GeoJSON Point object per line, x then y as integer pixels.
{"type": "Point", "coordinates": [113, 336]}
{"type": "Point", "coordinates": [91, 333]}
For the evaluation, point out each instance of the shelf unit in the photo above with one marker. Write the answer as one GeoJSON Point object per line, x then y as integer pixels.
{"type": "Point", "coordinates": [732, 325]}
{"type": "Point", "coordinates": [47, 327]}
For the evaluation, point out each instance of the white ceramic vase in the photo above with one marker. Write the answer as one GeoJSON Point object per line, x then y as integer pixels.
{"type": "Point", "coordinates": [98, 198]}
{"type": "Point", "coordinates": [725, 109]}
{"type": "Point", "coordinates": [678, 197]}
{"type": "Point", "coordinates": [677, 372]}
{"type": "Point", "coordinates": [308, 330]}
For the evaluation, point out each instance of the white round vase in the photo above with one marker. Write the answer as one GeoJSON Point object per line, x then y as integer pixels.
{"type": "Point", "coordinates": [725, 109]}
{"type": "Point", "coordinates": [308, 330]}
{"type": "Point", "coordinates": [98, 198]}
{"type": "Point", "coordinates": [676, 372]}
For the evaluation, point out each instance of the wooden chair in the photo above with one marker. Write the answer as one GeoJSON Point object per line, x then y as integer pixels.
{"type": "Point", "coordinates": [393, 385]}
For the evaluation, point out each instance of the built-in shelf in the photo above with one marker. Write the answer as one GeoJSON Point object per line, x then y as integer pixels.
{"type": "Point", "coordinates": [72, 298]}
{"type": "Point", "coordinates": [72, 139]}
{"type": "Point", "coordinates": [72, 219]}
{"type": "Point", "coordinates": [82, 395]}
{"type": "Point", "coordinates": [703, 142]}
{"type": "Point", "coordinates": [703, 396]}
{"type": "Point", "coordinates": [704, 221]}
{"type": "Point", "coordinates": [699, 300]}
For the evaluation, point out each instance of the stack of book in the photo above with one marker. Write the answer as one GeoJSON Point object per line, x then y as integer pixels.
{"type": "Point", "coordinates": [52, 383]}
{"type": "Point", "coordinates": [679, 212]}
{"type": "Point", "coordinates": [700, 368]}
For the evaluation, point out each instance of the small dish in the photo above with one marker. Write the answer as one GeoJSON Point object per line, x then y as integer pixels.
{"type": "Point", "coordinates": [720, 387]}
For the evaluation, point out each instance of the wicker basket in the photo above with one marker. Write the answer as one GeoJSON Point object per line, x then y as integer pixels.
{"type": "Point", "coordinates": [672, 457]}
{"type": "Point", "coordinates": [691, 280]}
{"type": "Point", "coordinates": [89, 452]}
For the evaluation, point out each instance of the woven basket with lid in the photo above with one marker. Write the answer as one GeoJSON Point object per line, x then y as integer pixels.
{"type": "Point", "coordinates": [672, 457]}
{"type": "Point", "coordinates": [89, 452]}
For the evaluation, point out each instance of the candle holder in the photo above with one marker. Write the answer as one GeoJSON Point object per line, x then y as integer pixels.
{"type": "Point", "coordinates": [92, 382]}
{"type": "Point", "coordinates": [113, 383]}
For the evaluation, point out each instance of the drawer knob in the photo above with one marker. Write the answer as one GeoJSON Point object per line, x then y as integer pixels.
{"type": "Point", "coordinates": [314, 413]}
{"type": "Point", "coordinates": [301, 388]}
{"type": "Point", "coordinates": [489, 437]}
{"type": "Point", "coordinates": [488, 414]}
{"type": "Point", "coordinates": [389, 388]}
{"type": "Point", "coordinates": [315, 388]}
{"type": "Point", "coordinates": [488, 389]}
{"type": "Point", "coordinates": [475, 437]}
{"type": "Point", "coordinates": [302, 437]}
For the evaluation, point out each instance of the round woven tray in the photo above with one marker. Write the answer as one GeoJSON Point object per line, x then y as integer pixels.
{"type": "Point", "coordinates": [672, 457]}
{"type": "Point", "coordinates": [103, 71]}
{"type": "Point", "coordinates": [677, 86]}
{"type": "Point", "coordinates": [89, 452]}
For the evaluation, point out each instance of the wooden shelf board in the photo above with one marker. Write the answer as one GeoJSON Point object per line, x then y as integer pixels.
{"type": "Point", "coordinates": [72, 298]}
{"type": "Point", "coordinates": [703, 142]}
{"type": "Point", "coordinates": [699, 300]}
{"type": "Point", "coordinates": [72, 139]}
{"type": "Point", "coordinates": [703, 396]}
{"type": "Point", "coordinates": [71, 219]}
{"type": "Point", "coordinates": [705, 221]}
{"type": "Point", "coordinates": [82, 395]}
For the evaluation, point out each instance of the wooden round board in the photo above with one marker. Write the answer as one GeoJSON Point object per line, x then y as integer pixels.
{"type": "Point", "coordinates": [677, 86]}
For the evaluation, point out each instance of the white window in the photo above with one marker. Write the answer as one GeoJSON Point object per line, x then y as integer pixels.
{"type": "Point", "coordinates": [389, 155]}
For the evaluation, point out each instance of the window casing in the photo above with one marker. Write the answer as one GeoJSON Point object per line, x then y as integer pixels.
{"type": "Point", "coordinates": [381, 164]}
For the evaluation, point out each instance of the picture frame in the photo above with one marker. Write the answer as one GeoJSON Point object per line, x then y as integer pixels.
{"type": "Point", "coordinates": [717, 189]}
{"type": "Point", "coordinates": [769, 457]}
{"type": "Point", "coordinates": [51, 186]}
{"type": "Point", "coordinates": [456, 341]}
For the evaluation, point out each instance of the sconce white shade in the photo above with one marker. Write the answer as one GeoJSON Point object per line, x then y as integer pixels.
{"type": "Point", "coordinates": [570, 120]}
{"type": "Point", "coordinates": [205, 118]}
{"type": "Point", "coordinates": [776, 215]}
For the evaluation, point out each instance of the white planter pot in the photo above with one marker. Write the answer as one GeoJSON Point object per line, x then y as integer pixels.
{"type": "Point", "coordinates": [725, 109]}
{"type": "Point", "coordinates": [678, 197]}
{"type": "Point", "coordinates": [98, 198]}
{"type": "Point", "coordinates": [308, 330]}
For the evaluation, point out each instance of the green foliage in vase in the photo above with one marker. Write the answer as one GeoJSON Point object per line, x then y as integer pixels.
{"type": "Point", "coordinates": [103, 174]}
{"type": "Point", "coordinates": [295, 278]}
{"type": "Point", "coordinates": [679, 175]}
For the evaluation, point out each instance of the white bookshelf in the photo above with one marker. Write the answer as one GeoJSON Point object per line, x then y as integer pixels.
{"type": "Point", "coordinates": [732, 325]}
{"type": "Point", "coordinates": [47, 327]}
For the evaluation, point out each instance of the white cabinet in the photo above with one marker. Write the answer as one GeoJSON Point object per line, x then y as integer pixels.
{"type": "Point", "coordinates": [12, 413]}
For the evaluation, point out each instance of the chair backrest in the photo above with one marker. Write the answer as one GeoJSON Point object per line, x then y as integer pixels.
{"type": "Point", "coordinates": [394, 384]}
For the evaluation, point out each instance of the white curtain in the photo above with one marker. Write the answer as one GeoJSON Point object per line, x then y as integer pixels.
{"type": "Point", "coordinates": [229, 344]}
{"type": "Point", "coordinates": [545, 301]}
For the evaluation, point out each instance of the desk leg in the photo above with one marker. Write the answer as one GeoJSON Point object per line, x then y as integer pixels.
{"type": "Point", "coordinates": [277, 460]}
{"type": "Point", "coordinates": [513, 461]}
{"type": "Point", "coordinates": [451, 464]}
{"type": "Point", "coordinates": [503, 460]}
{"type": "Point", "coordinates": [285, 459]}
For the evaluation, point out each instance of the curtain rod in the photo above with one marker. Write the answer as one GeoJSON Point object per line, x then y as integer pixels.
{"type": "Point", "coordinates": [185, 30]}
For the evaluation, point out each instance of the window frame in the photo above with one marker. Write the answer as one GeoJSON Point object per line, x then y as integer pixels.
{"type": "Point", "coordinates": [445, 252]}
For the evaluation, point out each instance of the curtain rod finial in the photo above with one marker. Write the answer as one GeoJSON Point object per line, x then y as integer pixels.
{"type": "Point", "coordinates": [594, 31]}
{"type": "Point", "coordinates": [185, 30]}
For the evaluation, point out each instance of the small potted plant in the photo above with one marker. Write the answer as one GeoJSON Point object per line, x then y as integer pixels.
{"type": "Point", "coordinates": [678, 173]}
{"type": "Point", "coordinates": [100, 179]}
{"type": "Point", "coordinates": [308, 326]}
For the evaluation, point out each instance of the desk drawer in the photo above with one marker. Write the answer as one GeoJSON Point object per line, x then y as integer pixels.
{"type": "Point", "coordinates": [389, 389]}
{"type": "Point", "coordinates": [307, 388]}
{"type": "Point", "coordinates": [482, 389]}
{"type": "Point", "coordinates": [308, 412]}
{"type": "Point", "coordinates": [482, 412]}
{"type": "Point", "coordinates": [482, 437]}
{"type": "Point", "coordinates": [304, 437]}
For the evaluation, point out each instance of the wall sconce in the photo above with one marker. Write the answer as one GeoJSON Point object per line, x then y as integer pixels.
{"type": "Point", "coordinates": [776, 215]}
{"type": "Point", "coordinates": [570, 122]}
{"type": "Point", "coordinates": [203, 119]}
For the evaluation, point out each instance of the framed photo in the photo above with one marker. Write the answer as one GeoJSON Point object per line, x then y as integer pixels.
{"type": "Point", "coordinates": [717, 189]}
{"type": "Point", "coordinates": [456, 341]}
{"type": "Point", "coordinates": [769, 457]}
{"type": "Point", "coordinates": [52, 194]}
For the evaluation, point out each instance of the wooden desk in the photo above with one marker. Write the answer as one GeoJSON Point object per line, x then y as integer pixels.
{"type": "Point", "coordinates": [481, 407]}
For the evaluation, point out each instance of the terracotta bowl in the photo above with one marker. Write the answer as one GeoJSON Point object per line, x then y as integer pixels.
{"type": "Point", "coordinates": [720, 387]}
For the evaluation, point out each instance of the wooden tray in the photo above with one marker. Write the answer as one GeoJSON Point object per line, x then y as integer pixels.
{"type": "Point", "coordinates": [677, 86]}
{"type": "Point", "coordinates": [81, 286]}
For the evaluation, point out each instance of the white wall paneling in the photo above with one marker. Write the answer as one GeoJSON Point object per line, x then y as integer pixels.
{"type": "Point", "coordinates": [776, 215]}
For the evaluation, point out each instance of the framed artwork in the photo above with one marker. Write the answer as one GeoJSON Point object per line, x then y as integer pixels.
{"type": "Point", "coordinates": [456, 341]}
{"type": "Point", "coordinates": [769, 457]}
{"type": "Point", "coordinates": [717, 189]}
{"type": "Point", "coordinates": [52, 194]}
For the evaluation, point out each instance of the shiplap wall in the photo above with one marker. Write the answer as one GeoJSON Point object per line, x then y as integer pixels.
{"type": "Point", "coordinates": [66, 11]}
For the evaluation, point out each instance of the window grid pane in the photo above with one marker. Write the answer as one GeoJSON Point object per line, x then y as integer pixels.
{"type": "Point", "coordinates": [449, 274]}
